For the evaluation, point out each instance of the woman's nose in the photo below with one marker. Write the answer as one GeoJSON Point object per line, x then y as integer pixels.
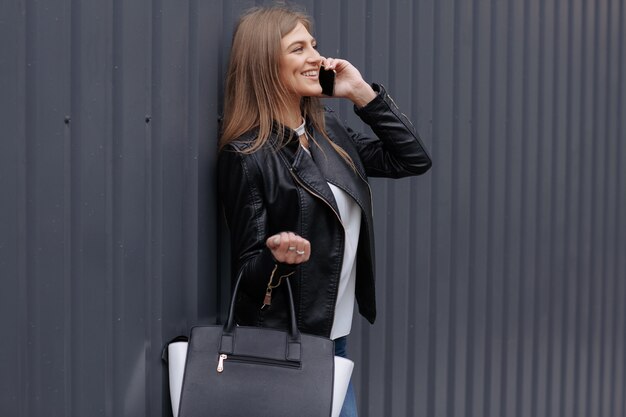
{"type": "Point", "coordinates": [314, 57]}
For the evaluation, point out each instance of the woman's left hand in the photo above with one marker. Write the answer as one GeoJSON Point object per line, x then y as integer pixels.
{"type": "Point", "coordinates": [348, 82]}
{"type": "Point", "coordinates": [289, 248]}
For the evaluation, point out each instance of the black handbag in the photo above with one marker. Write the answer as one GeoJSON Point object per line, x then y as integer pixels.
{"type": "Point", "coordinates": [240, 371]}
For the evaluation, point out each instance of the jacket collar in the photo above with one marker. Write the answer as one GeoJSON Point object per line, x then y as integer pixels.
{"type": "Point", "coordinates": [324, 166]}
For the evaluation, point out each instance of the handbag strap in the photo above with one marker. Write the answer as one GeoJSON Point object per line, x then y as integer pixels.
{"type": "Point", "coordinates": [293, 341]}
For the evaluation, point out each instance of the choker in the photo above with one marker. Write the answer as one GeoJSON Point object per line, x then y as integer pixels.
{"type": "Point", "coordinates": [300, 129]}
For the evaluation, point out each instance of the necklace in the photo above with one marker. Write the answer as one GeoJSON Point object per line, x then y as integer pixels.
{"type": "Point", "coordinates": [300, 129]}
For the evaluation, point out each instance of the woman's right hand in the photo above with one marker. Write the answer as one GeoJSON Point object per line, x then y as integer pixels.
{"type": "Point", "coordinates": [348, 82]}
{"type": "Point", "coordinates": [289, 248]}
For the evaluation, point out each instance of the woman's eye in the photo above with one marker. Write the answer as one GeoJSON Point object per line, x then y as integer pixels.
{"type": "Point", "coordinates": [298, 49]}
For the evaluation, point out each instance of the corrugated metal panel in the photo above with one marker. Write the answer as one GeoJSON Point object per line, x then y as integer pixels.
{"type": "Point", "coordinates": [501, 273]}
{"type": "Point", "coordinates": [106, 167]}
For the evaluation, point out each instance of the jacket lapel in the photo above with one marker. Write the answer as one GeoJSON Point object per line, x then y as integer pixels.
{"type": "Point", "coordinates": [337, 172]}
{"type": "Point", "coordinates": [307, 173]}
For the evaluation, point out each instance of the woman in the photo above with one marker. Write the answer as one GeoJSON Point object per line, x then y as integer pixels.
{"type": "Point", "coordinates": [293, 177]}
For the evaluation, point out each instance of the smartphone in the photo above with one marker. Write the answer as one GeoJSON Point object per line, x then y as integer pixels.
{"type": "Point", "coordinates": [327, 81]}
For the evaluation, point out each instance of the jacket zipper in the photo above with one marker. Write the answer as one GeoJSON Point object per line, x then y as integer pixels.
{"type": "Point", "coordinates": [253, 360]}
{"type": "Point", "coordinates": [293, 174]}
{"type": "Point", "coordinates": [398, 109]}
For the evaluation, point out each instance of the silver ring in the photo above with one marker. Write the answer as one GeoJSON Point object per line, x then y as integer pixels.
{"type": "Point", "coordinates": [300, 252]}
{"type": "Point", "coordinates": [291, 248]}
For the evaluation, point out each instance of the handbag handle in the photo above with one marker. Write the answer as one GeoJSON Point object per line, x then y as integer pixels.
{"type": "Point", "coordinates": [293, 341]}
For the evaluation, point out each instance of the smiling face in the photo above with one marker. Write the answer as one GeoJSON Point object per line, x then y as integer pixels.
{"type": "Point", "coordinates": [300, 63]}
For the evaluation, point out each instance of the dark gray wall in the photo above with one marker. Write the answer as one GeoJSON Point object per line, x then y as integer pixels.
{"type": "Point", "coordinates": [502, 272]}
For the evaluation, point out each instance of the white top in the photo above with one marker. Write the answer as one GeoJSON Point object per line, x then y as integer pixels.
{"type": "Point", "coordinates": [300, 129]}
{"type": "Point", "coordinates": [350, 213]}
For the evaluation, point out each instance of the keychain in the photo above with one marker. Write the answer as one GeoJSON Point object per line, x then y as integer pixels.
{"type": "Point", "coordinates": [267, 300]}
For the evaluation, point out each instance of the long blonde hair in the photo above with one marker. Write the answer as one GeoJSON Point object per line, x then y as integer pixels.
{"type": "Point", "coordinates": [255, 97]}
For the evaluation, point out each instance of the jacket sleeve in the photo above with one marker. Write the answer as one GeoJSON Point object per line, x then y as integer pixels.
{"type": "Point", "coordinates": [239, 188]}
{"type": "Point", "coordinates": [397, 150]}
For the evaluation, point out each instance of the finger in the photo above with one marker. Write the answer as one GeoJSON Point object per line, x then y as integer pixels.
{"type": "Point", "coordinates": [278, 245]}
{"type": "Point", "coordinates": [273, 241]}
{"type": "Point", "coordinates": [304, 251]}
{"type": "Point", "coordinates": [284, 243]}
{"type": "Point", "coordinates": [300, 244]}
{"type": "Point", "coordinates": [329, 63]}
{"type": "Point", "coordinates": [292, 244]}
{"type": "Point", "coordinates": [287, 250]}
{"type": "Point", "coordinates": [297, 250]}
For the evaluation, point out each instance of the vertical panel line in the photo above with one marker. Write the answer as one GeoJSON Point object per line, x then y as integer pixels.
{"type": "Point", "coordinates": [473, 208]}
{"type": "Point", "coordinates": [412, 340]}
{"type": "Point", "coordinates": [554, 261]}
{"type": "Point", "coordinates": [24, 210]}
{"type": "Point", "coordinates": [539, 185]}
{"type": "Point", "coordinates": [491, 197]}
{"type": "Point", "coordinates": [68, 224]}
{"type": "Point", "coordinates": [523, 271]}
{"type": "Point", "coordinates": [153, 196]}
{"type": "Point", "coordinates": [76, 239]}
{"type": "Point", "coordinates": [387, 408]}
{"type": "Point", "coordinates": [110, 219]}
{"type": "Point", "coordinates": [30, 363]}
{"type": "Point", "coordinates": [565, 347]}
{"type": "Point", "coordinates": [433, 287]}
{"type": "Point", "coordinates": [508, 207]}
{"type": "Point", "coordinates": [620, 264]}
{"type": "Point", "coordinates": [189, 268]}
{"type": "Point", "coordinates": [610, 218]}
{"type": "Point", "coordinates": [578, 384]}
{"type": "Point", "coordinates": [454, 227]}
{"type": "Point", "coordinates": [603, 41]}
{"type": "Point", "coordinates": [115, 180]}
{"type": "Point", "coordinates": [593, 268]}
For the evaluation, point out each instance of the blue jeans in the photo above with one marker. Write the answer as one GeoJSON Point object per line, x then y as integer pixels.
{"type": "Point", "coordinates": [349, 404]}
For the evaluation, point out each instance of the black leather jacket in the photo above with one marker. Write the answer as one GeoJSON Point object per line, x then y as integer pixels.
{"type": "Point", "coordinates": [270, 191]}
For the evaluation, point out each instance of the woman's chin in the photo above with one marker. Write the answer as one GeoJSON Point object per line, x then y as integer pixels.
{"type": "Point", "coordinates": [316, 92]}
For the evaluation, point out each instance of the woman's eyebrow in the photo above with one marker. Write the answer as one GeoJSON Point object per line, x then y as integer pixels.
{"type": "Point", "coordinates": [301, 41]}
